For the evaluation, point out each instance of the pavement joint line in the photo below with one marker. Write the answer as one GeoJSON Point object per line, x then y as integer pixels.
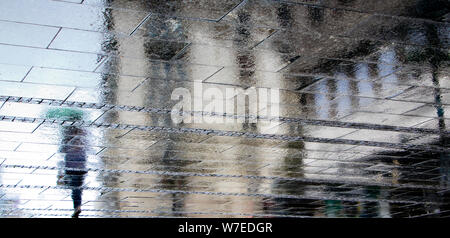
{"type": "Point", "coordinates": [181, 52]}
{"type": "Point", "coordinates": [212, 75]}
{"type": "Point", "coordinates": [149, 211]}
{"type": "Point", "coordinates": [317, 122]}
{"type": "Point", "coordinates": [235, 176]}
{"type": "Point", "coordinates": [286, 2]}
{"type": "Point", "coordinates": [199, 131]}
{"type": "Point", "coordinates": [231, 10]}
{"type": "Point", "coordinates": [303, 90]}
{"type": "Point", "coordinates": [54, 37]}
{"type": "Point", "coordinates": [414, 66]}
{"type": "Point", "coordinates": [26, 75]}
{"type": "Point", "coordinates": [233, 194]}
{"type": "Point", "coordinates": [104, 58]}
{"type": "Point", "coordinates": [210, 20]}
{"type": "Point", "coordinates": [140, 23]}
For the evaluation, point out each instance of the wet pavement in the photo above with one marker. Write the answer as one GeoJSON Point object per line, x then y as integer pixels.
{"type": "Point", "coordinates": [351, 117]}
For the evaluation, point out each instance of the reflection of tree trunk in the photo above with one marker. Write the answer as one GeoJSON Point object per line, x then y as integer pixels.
{"type": "Point", "coordinates": [436, 57]}
{"type": "Point", "coordinates": [444, 157]}
{"type": "Point", "coordinates": [159, 92]}
{"type": "Point", "coordinates": [110, 89]}
{"type": "Point", "coordinates": [438, 103]}
{"type": "Point", "coordinates": [291, 165]}
{"type": "Point", "coordinates": [173, 183]}
{"type": "Point", "coordinates": [245, 62]}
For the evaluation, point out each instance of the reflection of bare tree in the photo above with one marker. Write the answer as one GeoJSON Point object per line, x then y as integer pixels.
{"type": "Point", "coordinates": [436, 58]}
{"type": "Point", "coordinates": [110, 93]}
{"type": "Point", "coordinates": [246, 64]}
{"type": "Point", "coordinates": [245, 58]}
{"type": "Point", "coordinates": [433, 57]}
{"type": "Point", "coordinates": [154, 92]}
{"type": "Point", "coordinates": [177, 200]}
{"type": "Point", "coordinates": [291, 166]}
{"type": "Point", "coordinates": [159, 91]}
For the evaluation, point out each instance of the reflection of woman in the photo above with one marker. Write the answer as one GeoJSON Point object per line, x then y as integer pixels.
{"type": "Point", "coordinates": [74, 165]}
{"type": "Point", "coordinates": [75, 155]}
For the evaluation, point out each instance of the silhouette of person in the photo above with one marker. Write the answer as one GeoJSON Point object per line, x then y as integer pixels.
{"type": "Point", "coordinates": [74, 164]}
{"type": "Point", "coordinates": [74, 147]}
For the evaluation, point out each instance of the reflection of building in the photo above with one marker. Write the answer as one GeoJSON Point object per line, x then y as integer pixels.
{"type": "Point", "coordinates": [364, 98]}
{"type": "Point", "coordinates": [156, 90]}
{"type": "Point", "coordinates": [344, 87]}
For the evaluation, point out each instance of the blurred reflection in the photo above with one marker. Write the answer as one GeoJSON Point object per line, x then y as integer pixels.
{"type": "Point", "coordinates": [340, 80]}
{"type": "Point", "coordinates": [371, 209]}
{"type": "Point", "coordinates": [177, 200]}
{"type": "Point", "coordinates": [73, 146]}
{"type": "Point", "coordinates": [159, 93]}
{"type": "Point", "coordinates": [291, 164]}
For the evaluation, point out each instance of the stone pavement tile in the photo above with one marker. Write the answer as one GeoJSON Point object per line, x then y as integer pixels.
{"type": "Point", "coordinates": [29, 147]}
{"type": "Point", "coordinates": [44, 111]}
{"type": "Point", "coordinates": [13, 157]}
{"type": "Point", "coordinates": [439, 124]}
{"type": "Point", "coordinates": [81, 40]}
{"type": "Point", "coordinates": [406, 30]}
{"type": "Point", "coordinates": [222, 33]}
{"type": "Point", "coordinates": [383, 105]}
{"type": "Point", "coordinates": [256, 78]}
{"type": "Point", "coordinates": [82, 80]}
{"type": "Point", "coordinates": [330, 62]}
{"type": "Point", "coordinates": [356, 88]}
{"type": "Point", "coordinates": [228, 57]}
{"type": "Point", "coordinates": [381, 136]}
{"type": "Point", "coordinates": [208, 10]}
{"type": "Point", "coordinates": [384, 119]}
{"type": "Point", "coordinates": [427, 95]}
{"type": "Point", "coordinates": [323, 108]}
{"type": "Point", "coordinates": [277, 14]}
{"type": "Point", "coordinates": [13, 72]}
{"type": "Point", "coordinates": [6, 145]}
{"type": "Point", "coordinates": [395, 8]}
{"type": "Point", "coordinates": [63, 14]}
{"type": "Point", "coordinates": [26, 56]}
{"type": "Point", "coordinates": [26, 34]}
{"type": "Point", "coordinates": [428, 110]}
{"type": "Point", "coordinates": [158, 69]}
{"type": "Point", "coordinates": [34, 147]}
{"type": "Point", "coordinates": [339, 68]}
{"type": "Point", "coordinates": [310, 130]}
{"type": "Point", "coordinates": [6, 126]}
{"type": "Point", "coordinates": [106, 43]}
{"type": "Point", "coordinates": [73, 1]}
{"type": "Point", "coordinates": [38, 180]}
